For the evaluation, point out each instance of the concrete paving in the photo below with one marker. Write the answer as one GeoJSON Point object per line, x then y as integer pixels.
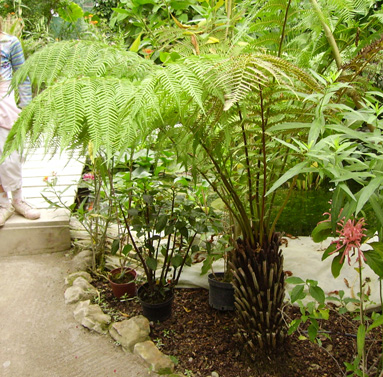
{"type": "Point", "coordinates": [38, 334]}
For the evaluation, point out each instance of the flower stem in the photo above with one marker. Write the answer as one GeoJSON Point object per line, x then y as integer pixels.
{"type": "Point", "coordinates": [361, 309]}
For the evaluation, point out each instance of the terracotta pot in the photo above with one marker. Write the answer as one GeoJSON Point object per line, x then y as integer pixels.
{"type": "Point", "coordinates": [129, 288]}
{"type": "Point", "coordinates": [221, 294]}
{"type": "Point", "coordinates": [155, 311]}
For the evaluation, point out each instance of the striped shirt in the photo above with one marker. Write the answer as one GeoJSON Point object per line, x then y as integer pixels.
{"type": "Point", "coordinates": [12, 58]}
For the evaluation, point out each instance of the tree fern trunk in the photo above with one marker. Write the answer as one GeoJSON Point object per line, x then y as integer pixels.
{"type": "Point", "coordinates": [259, 293]}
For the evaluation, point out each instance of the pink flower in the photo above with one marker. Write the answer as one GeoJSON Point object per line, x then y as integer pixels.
{"type": "Point", "coordinates": [88, 177]}
{"type": "Point", "coordinates": [350, 238]}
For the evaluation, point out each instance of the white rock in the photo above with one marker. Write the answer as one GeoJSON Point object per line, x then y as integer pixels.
{"type": "Point", "coordinates": [130, 331]}
{"type": "Point", "coordinates": [82, 261]}
{"type": "Point", "coordinates": [157, 361]}
{"type": "Point", "coordinates": [92, 317]}
{"type": "Point", "coordinates": [81, 290]}
{"type": "Point", "coordinates": [72, 277]}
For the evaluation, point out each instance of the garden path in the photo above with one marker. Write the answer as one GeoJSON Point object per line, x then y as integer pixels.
{"type": "Point", "coordinates": [40, 337]}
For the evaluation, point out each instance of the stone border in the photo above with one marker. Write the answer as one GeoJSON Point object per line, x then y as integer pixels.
{"type": "Point", "coordinates": [132, 334]}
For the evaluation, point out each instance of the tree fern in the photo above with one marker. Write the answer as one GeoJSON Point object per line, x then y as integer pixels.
{"type": "Point", "coordinates": [70, 59]}
{"type": "Point", "coordinates": [61, 114]}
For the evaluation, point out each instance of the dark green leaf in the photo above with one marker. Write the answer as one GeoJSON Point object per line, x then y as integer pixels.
{"type": "Point", "coordinates": [336, 205]}
{"type": "Point", "coordinates": [115, 247]}
{"type": "Point", "coordinates": [360, 339]}
{"type": "Point", "coordinates": [297, 293]}
{"type": "Point", "coordinates": [374, 258]}
{"type": "Point", "coordinates": [312, 330]}
{"type": "Point", "coordinates": [161, 223]}
{"type": "Point", "coordinates": [377, 322]}
{"type": "Point", "coordinates": [317, 293]}
{"type": "Point", "coordinates": [177, 260]}
{"type": "Point", "coordinates": [127, 249]}
{"type": "Point", "coordinates": [294, 280]}
{"type": "Point", "coordinates": [133, 212]}
{"type": "Point", "coordinates": [206, 265]}
{"type": "Point", "coordinates": [184, 232]}
{"type": "Point", "coordinates": [336, 266]}
{"type": "Point", "coordinates": [377, 207]}
{"type": "Point", "coordinates": [151, 263]}
{"type": "Point", "coordinates": [321, 231]}
{"type": "Point", "coordinates": [148, 199]}
{"type": "Point", "coordinates": [367, 191]}
{"type": "Point", "coordinates": [328, 251]}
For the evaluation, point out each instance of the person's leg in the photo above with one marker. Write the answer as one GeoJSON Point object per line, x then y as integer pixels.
{"type": "Point", "coordinates": [6, 209]}
{"type": "Point", "coordinates": [11, 181]}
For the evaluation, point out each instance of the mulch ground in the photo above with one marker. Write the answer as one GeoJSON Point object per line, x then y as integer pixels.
{"type": "Point", "coordinates": [204, 340]}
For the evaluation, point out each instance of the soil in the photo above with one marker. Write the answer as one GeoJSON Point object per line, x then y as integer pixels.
{"type": "Point", "coordinates": [204, 340]}
{"type": "Point", "coordinates": [122, 278]}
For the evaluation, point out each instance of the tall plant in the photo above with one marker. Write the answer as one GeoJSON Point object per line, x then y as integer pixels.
{"type": "Point", "coordinates": [222, 110]}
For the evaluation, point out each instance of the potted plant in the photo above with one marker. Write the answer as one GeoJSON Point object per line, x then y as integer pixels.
{"type": "Point", "coordinates": [123, 278]}
{"type": "Point", "coordinates": [162, 222]}
{"type": "Point", "coordinates": [221, 289]}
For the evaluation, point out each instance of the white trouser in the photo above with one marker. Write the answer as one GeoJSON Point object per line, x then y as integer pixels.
{"type": "Point", "coordinates": [10, 169]}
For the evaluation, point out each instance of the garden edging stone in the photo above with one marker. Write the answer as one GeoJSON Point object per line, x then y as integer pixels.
{"type": "Point", "coordinates": [130, 331]}
{"type": "Point", "coordinates": [157, 361]}
{"type": "Point", "coordinates": [81, 290]}
{"type": "Point", "coordinates": [92, 317]}
{"type": "Point", "coordinates": [131, 334]}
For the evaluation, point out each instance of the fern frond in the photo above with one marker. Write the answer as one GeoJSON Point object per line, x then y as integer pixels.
{"type": "Point", "coordinates": [67, 59]}
{"type": "Point", "coordinates": [73, 112]}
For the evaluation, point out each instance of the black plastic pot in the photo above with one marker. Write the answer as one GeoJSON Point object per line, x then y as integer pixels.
{"type": "Point", "coordinates": [155, 311]}
{"type": "Point", "coordinates": [221, 294]}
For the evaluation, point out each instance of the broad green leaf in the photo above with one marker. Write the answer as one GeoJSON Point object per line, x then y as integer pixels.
{"type": "Point", "coordinates": [374, 201]}
{"type": "Point", "coordinates": [317, 293]}
{"type": "Point", "coordinates": [312, 330]}
{"type": "Point", "coordinates": [294, 280]}
{"type": "Point", "coordinates": [374, 258]}
{"type": "Point", "coordinates": [367, 191]}
{"type": "Point", "coordinates": [161, 223]}
{"type": "Point", "coordinates": [311, 282]}
{"type": "Point", "coordinates": [143, 2]}
{"type": "Point", "coordinates": [121, 11]}
{"type": "Point", "coordinates": [177, 261]}
{"type": "Point", "coordinates": [328, 251]}
{"type": "Point", "coordinates": [336, 205]}
{"type": "Point", "coordinates": [70, 12]}
{"type": "Point", "coordinates": [127, 249]}
{"type": "Point", "coordinates": [136, 44]}
{"type": "Point", "coordinates": [377, 322]}
{"type": "Point", "coordinates": [293, 326]}
{"type": "Point", "coordinates": [289, 126]}
{"type": "Point", "coordinates": [148, 199]}
{"type": "Point", "coordinates": [297, 293]}
{"type": "Point", "coordinates": [184, 232]}
{"type": "Point", "coordinates": [360, 339]}
{"type": "Point", "coordinates": [322, 231]}
{"type": "Point", "coordinates": [324, 313]}
{"type": "Point", "coordinates": [115, 247]}
{"type": "Point", "coordinates": [297, 169]}
{"type": "Point", "coordinates": [151, 263]}
{"type": "Point", "coordinates": [336, 266]}
{"type": "Point", "coordinates": [316, 129]}
{"type": "Point", "coordinates": [206, 265]}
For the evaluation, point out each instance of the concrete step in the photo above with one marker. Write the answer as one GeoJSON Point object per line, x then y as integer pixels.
{"type": "Point", "coordinates": [50, 233]}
